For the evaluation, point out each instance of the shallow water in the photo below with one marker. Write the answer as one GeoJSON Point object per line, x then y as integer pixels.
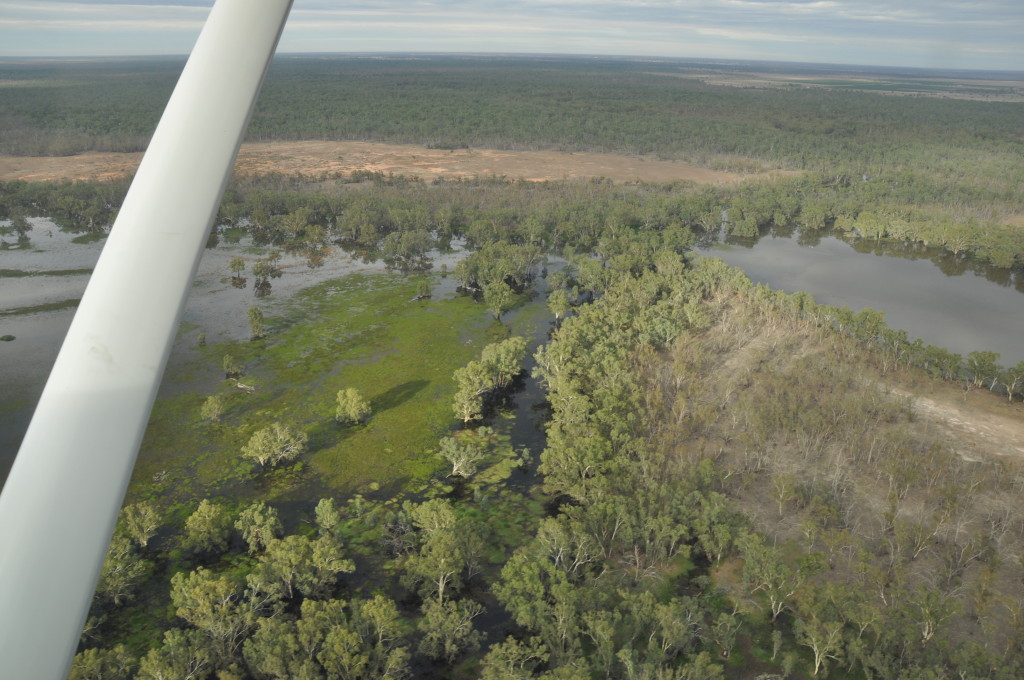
{"type": "Point", "coordinates": [214, 307]}
{"type": "Point", "coordinates": [929, 294]}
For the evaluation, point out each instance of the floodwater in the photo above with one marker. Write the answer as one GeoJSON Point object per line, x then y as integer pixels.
{"type": "Point", "coordinates": [946, 301]}
{"type": "Point", "coordinates": [935, 297]}
{"type": "Point", "coordinates": [214, 307]}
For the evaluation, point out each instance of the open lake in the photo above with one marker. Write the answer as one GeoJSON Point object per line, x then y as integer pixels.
{"type": "Point", "coordinates": [929, 294]}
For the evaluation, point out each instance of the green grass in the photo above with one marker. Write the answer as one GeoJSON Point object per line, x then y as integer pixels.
{"type": "Point", "coordinates": [361, 331]}
{"type": "Point", "coordinates": [20, 273]}
{"type": "Point", "coordinates": [33, 309]}
{"type": "Point", "coordinates": [90, 237]}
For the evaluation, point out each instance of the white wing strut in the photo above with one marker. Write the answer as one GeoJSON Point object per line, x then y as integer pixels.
{"type": "Point", "coordinates": [61, 500]}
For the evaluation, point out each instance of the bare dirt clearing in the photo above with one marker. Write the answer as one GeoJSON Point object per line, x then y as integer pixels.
{"type": "Point", "coordinates": [983, 426]}
{"type": "Point", "coordinates": [314, 158]}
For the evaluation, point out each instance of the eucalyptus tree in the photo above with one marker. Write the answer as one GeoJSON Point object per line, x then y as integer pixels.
{"type": "Point", "coordinates": [983, 367]}
{"type": "Point", "coordinates": [353, 408]}
{"type": "Point", "coordinates": [259, 524]}
{"type": "Point", "coordinates": [498, 298]}
{"type": "Point", "coordinates": [216, 607]}
{"type": "Point", "coordinates": [122, 573]}
{"type": "Point", "coordinates": [298, 564]}
{"type": "Point", "coordinates": [275, 444]}
{"type": "Point", "coordinates": [140, 521]}
{"type": "Point", "coordinates": [1012, 378]}
{"type": "Point", "coordinates": [184, 655]}
{"type": "Point", "coordinates": [448, 630]}
{"type": "Point", "coordinates": [212, 408]}
{"type": "Point", "coordinates": [257, 329]}
{"type": "Point", "coordinates": [514, 660]}
{"type": "Point", "coordinates": [208, 528]}
{"type": "Point", "coordinates": [115, 663]}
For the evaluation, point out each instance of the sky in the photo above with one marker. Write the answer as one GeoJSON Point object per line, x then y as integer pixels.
{"type": "Point", "coordinates": [981, 34]}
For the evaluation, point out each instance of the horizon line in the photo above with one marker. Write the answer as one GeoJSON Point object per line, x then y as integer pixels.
{"type": "Point", "coordinates": [545, 55]}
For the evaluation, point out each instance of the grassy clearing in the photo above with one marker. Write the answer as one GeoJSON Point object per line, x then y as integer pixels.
{"type": "Point", "coordinates": [361, 331]}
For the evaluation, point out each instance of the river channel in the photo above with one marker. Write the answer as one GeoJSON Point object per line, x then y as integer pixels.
{"type": "Point", "coordinates": [946, 301]}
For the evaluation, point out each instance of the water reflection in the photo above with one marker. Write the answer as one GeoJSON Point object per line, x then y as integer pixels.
{"type": "Point", "coordinates": [953, 302]}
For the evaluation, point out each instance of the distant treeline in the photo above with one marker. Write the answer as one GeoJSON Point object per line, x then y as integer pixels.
{"type": "Point", "coordinates": [956, 148]}
{"type": "Point", "coordinates": [892, 206]}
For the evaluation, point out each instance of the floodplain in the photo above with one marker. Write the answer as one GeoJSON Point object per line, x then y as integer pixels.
{"type": "Point", "coordinates": [576, 448]}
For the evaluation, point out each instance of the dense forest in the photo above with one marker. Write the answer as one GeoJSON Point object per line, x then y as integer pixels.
{"type": "Point", "coordinates": [620, 106]}
{"type": "Point", "coordinates": [734, 482]}
{"type": "Point", "coordinates": [731, 481]}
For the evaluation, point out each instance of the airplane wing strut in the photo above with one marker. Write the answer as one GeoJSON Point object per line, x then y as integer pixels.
{"type": "Point", "coordinates": [61, 500]}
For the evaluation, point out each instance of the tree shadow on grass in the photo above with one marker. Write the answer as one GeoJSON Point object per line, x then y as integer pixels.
{"type": "Point", "coordinates": [396, 396]}
{"type": "Point", "coordinates": [328, 433]}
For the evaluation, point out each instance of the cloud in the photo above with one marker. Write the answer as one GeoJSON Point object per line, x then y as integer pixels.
{"type": "Point", "coordinates": [103, 16]}
{"type": "Point", "coordinates": [981, 34]}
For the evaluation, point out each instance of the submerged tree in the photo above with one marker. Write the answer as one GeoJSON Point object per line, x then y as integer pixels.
{"type": "Point", "coordinates": [231, 369]}
{"type": "Point", "coordinates": [263, 271]}
{"type": "Point", "coordinates": [208, 529]}
{"type": "Point", "coordinates": [213, 408]}
{"type": "Point", "coordinates": [256, 328]}
{"type": "Point", "coordinates": [327, 516]}
{"type": "Point", "coordinates": [472, 382]}
{"type": "Point", "coordinates": [503, 361]}
{"type": "Point", "coordinates": [498, 298]}
{"type": "Point", "coordinates": [213, 604]}
{"type": "Point", "coordinates": [463, 456]}
{"type": "Point", "coordinates": [353, 408]}
{"type": "Point", "coordinates": [499, 364]}
{"type": "Point", "coordinates": [258, 524]}
{"type": "Point", "coordinates": [237, 266]}
{"type": "Point", "coordinates": [465, 450]}
{"type": "Point", "coordinates": [298, 564]}
{"type": "Point", "coordinates": [559, 303]}
{"type": "Point", "coordinates": [275, 444]}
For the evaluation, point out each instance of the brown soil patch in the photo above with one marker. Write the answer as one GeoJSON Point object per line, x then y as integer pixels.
{"type": "Point", "coordinates": [90, 165]}
{"type": "Point", "coordinates": [342, 158]}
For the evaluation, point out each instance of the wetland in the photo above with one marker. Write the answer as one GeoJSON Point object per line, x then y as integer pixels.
{"type": "Point", "coordinates": [590, 450]}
